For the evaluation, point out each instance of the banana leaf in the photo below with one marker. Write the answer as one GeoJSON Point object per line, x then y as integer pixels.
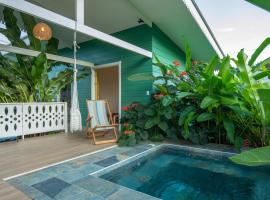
{"type": "Point", "coordinates": [254, 157]}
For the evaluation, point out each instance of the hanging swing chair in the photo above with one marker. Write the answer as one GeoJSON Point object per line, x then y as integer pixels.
{"type": "Point", "coordinates": [75, 114]}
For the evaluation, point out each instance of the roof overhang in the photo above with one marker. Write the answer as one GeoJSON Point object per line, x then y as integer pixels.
{"type": "Point", "coordinates": [180, 20]}
{"type": "Point", "coordinates": [265, 4]}
{"type": "Point", "coordinates": [60, 20]}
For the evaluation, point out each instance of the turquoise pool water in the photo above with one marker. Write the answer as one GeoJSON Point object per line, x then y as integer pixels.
{"type": "Point", "coordinates": [171, 173]}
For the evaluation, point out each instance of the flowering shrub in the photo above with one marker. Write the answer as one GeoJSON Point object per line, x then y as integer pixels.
{"type": "Point", "coordinates": [132, 125]}
{"type": "Point", "coordinates": [207, 102]}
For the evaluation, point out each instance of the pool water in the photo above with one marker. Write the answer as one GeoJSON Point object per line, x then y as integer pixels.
{"type": "Point", "coordinates": [170, 173]}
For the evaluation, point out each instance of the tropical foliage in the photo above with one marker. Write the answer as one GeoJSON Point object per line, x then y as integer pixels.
{"type": "Point", "coordinates": [133, 125]}
{"type": "Point", "coordinates": [25, 78]}
{"type": "Point", "coordinates": [255, 157]}
{"type": "Point", "coordinates": [223, 101]}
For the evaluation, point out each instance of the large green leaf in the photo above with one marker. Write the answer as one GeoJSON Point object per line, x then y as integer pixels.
{"type": "Point", "coordinates": [182, 95]}
{"type": "Point", "coordinates": [205, 117]}
{"type": "Point", "coordinates": [190, 117]}
{"type": "Point", "coordinates": [163, 125]}
{"type": "Point", "coordinates": [258, 51]}
{"type": "Point", "coordinates": [150, 112]}
{"type": "Point", "coordinates": [209, 70]}
{"type": "Point", "coordinates": [230, 129]}
{"type": "Point", "coordinates": [151, 122]}
{"type": "Point", "coordinates": [261, 75]}
{"type": "Point", "coordinates": [188, 57]}
{"type": "Point", "coordinates": [167, 100]}
{"type": "Point", "coordinates": [208, 101]}
{"type": "Point", "coordinates": [254, 157]}
{"type": "Point", "coordinates": [29, 24]}
{"type": "Point", "coordinates": [184, 114]}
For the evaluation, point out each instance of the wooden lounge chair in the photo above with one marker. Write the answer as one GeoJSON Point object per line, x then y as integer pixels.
{"type": "Point", "coordinates": [97, 122]}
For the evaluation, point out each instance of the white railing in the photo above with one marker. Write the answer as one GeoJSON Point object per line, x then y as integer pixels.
{"type": "Point", "coordinates": [20, 119]}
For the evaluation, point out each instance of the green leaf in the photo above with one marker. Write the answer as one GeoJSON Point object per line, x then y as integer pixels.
{"type": "Point", "coordinates": [150, 112]}
{"type": "Point", "coordinates": [258, 51]}
{"type": "Point", "coordinates": [29, 24]}
{"type": "Point", "coordinates": [254, 157]}
{"type": "Point", "coordinates": [261, 75]}
{"type": "Point", "coordinates": [188, 57]}
{"type": "Point", "coordinates": [181, 95]}
{"type": "Point", "coordinates": [167, 100]}
{"type": "Point", "coordinates": [168, 112]}
{"type": "Point", "coordinates": [209, 70]}
{"type": "Point", "coordinates": [230, 129]}
{"type": "Point", "coordinates": [183, 86]}
{"type": "Point", "coordinates": [205, 117]}
{"type": "Point", "coordinates": [229, 100]}
{"type": "Point", "coordinates": [163, 126]}
{"type": "Point", "coordinates": [151, 122]}
{"type": "Point", "coordinates": [225, 66]}
{"type": "Point", "coordinates": [161, 88]}
{"type": "Point", "coordinates": [187, 122]}
{"type": "Point", "coordinates": [184, 113]}
{"type": "Point", "coordinates": [208, 101]}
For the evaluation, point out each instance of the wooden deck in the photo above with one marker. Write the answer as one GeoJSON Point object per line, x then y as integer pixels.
{"type": "Point", "coordinates": [33, 153]}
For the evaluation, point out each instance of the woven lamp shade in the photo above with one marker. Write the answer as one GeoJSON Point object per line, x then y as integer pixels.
{"type": "Point", "coordinates": [42, 31]}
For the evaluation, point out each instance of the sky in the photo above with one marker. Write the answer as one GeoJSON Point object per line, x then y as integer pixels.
{"type": "Point", "coordinates": [237, 24]}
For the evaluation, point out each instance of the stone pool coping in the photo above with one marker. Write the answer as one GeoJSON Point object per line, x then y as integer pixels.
{"type": "Point", "coordinates": [78, 178]}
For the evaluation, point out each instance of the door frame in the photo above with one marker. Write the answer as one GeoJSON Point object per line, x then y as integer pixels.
{"type": "Point", "coordinates": [93, 79]}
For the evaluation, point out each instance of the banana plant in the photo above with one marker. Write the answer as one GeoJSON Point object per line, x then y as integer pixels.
{"type": "Point", "coordinates": [254, 157]}
{"type": "Point", "coordinates": [25, 78]}
{"type": "Point", "coordinates": [255, 86]}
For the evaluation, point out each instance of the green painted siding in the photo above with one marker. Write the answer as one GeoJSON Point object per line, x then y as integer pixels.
{"type": "Point", "coordinates": [100, 52]}
{"type": "Point", "coordinates": [165, 49]}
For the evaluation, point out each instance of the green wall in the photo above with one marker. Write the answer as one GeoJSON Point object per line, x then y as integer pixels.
{"type": "Point", "coordinates": [166, 50]}
{"type": "Point", "coordinates": [100, 52]}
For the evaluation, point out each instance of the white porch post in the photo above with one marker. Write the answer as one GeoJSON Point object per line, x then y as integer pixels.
{"type": "Point", "coordinates": [80, 11]}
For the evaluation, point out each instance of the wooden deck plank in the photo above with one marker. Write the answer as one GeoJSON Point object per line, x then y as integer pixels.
{"type": "Point", "coordinates": [36, 152]}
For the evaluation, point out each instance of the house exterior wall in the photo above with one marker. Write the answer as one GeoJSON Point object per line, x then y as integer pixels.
{"type": "Point", "coordinates": [99, 52]}
{"type": "Point", "coordinates": [165, 50]}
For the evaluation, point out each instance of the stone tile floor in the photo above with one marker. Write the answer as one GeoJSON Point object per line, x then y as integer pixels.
{"type": "Point", "coordinates": [71, 180]}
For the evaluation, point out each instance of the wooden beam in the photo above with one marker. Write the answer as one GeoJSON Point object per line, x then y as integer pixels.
{"type": "Point", "coordinates": [29, 52]}
{"type": "Point", "coordinates": [37, 11]}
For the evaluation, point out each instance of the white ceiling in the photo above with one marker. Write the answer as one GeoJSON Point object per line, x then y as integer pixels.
{"type": "Point", "coordinates": [111, 16]}
{"type": "Point", "coordinates": [99, 14]}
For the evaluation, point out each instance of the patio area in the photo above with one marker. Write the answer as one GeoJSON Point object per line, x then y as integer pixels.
{"type": "Point", "coordinates": [134, 99]}
{"type": "Point", "coordinates": [37, 152]}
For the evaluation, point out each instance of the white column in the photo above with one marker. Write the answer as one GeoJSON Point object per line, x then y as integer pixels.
{"type": "Point", "coordinates": [80, 11]}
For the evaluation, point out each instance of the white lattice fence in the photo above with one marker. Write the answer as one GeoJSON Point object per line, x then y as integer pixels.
{"type": "Point", "coordinates": [29, 118]}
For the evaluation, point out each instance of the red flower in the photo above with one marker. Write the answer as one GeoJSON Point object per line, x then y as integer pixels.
{"type": "Point", "coordinates": [125, 108]}
{"type": "Point", "coordinates": [183, 73]}
{"type": "Point", "coordinates": [177, 63]}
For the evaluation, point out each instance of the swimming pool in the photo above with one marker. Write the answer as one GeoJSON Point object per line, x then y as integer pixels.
{"type": "Point", "coordinates": [183, 173]}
